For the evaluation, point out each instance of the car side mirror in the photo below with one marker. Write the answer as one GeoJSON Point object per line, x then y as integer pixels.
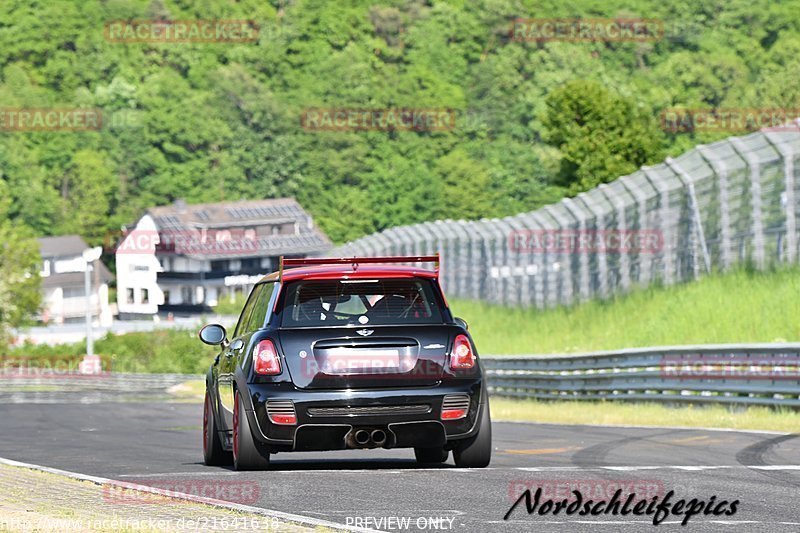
{"type": "Point", "coordinates": [213, 334]}
{"type": "Point", "coordinates": [461, 322]}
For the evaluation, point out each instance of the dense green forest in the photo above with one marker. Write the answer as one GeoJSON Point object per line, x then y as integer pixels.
{"type": "Point", "coordinates": [221, 121]}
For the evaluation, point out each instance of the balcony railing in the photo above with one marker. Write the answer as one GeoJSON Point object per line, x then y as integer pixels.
{"type": "Point", "coordinates": [210, 275]}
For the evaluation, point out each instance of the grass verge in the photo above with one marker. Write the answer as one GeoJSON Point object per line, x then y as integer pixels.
{"type": "Point", "coordinates": [191, 390]}
{"type": "Point", "coordinates": [32, 500]}
{"type": "Point", "coordinates": [646, 414]}
{"type": "Point", "coordinates": [737, 307]}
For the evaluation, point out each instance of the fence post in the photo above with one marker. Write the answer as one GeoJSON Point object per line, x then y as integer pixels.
{"type": "Point", "coordinates": [646, 258]}
{"type": "Point", "coordinates": [565, 270]}
{"type": "Point", "coordinates": [622, 226]}
{"type": "Point", "coordinates": [536, 276]}
{"type": "Point", "coordinates": [755, 188]}
{"type": "Point", "coordinates": [602, 262]}
{"type": "Point", "coordinates": [721, 170]}
{"type": "Point", "coordinates": [545, 273]}
{"type": "Point", "coordinates": [699, 232]}
{"type": "Point", "coordinates": [583, 259]}
{"type": "Point", "coordinates": [788, 169]}
{"type": "Point", "coordinates": [668, 250]}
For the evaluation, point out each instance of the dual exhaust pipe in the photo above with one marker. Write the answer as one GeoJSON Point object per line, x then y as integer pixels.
{"type": "Point", "coordinates": [365, 438]}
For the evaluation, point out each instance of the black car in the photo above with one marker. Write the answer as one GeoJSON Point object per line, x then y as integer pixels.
{"type": "Point", "coordinates": [348, 353]}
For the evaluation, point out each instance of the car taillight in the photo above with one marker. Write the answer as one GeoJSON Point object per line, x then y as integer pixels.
{"type": "Point", "coordinates": [281, 412]}
{"type": "Point", "coordinates": [455, 406]}
{"type": "Point", "coordinates": [265, 359]}
{"type": "Point", "coordinates": [462, 358]}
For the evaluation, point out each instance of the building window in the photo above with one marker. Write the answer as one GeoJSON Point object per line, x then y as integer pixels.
{"type": "Point", "coordinates": [187, 296]}
{"type": "Point", "coordinates": [219, 265]}
{"type": "Point", "coordinates": [145, 296]}
{"type": "Point", "coordinates": [74, 292]}
{"type": "Point", "coordinates": [251, 263]}
{"type": "Point", "coordinates": [129, 296]}
{"type": "Point", "coordinates": [166, 297]}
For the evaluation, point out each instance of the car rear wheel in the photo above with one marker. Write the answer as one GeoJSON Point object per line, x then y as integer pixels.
{"type": "Point", "coordinates": [476, 452]}
{"type": "Point", "coordinates": [213, 452]}
{"type": "Point", "coordinates": [431, 455]}
{"type": "Point", "coordinates": [247, 453]}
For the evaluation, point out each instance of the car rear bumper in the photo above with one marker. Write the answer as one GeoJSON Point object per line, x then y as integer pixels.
{"type": "Point", "coordinates": [328, 420]}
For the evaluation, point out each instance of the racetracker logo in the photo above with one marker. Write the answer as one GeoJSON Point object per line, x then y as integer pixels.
{"type": "Point", "coordinates": [55, 366]}
{"type": "Point", "coordinates": [565, 241]}
{"type": "Point", "coordinates": [50, 119]}
{"type": "Point", "coordinates": [206, 241]}
{"type": "Point", "coordinates": [181, 31]}
{"type": "Point", "coordinates": [730, 120]}
{"type": "Point", "coordinates": [244, 492]}
{"type": "Point", "coordinates": [586, 30]}
{"type": "Point", "coordinates": [370, 366]}
{"type": "Point", "coordinates": [735, 366]}
{"type": "Point", "coordinates": [343, 119]}
{"type": "Point", "coordinates": [598, 489]}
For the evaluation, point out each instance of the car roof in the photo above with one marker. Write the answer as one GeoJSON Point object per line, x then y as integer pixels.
{"type": "Point", "coordinates": [348, 272]}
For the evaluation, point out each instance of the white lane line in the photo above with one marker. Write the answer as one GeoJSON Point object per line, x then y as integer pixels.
{"type": "Point", "coordinates": [367, 470]}
{"type": "Point", "coordinates": [526, 522]}
{"type": "Point", "coordinates": [734, 522]}
{"type": "Point", "coordinates": [622, 522]}
{"type": "Point", "coordinates": [629, 468]}
{"type": "Point", "coordinates": [697, 468]}
{"type": "Point", "coordinates": [398, 512]}
{"type": "Point", "coordinates": [305, 520]}
{"type": "Point", "coordinates": [626, 522]}
{"type": "Point", "coordinates": [290, 469]}
{"type": "Point", "coordinates": [550, 468]}
{"type": "Point", "coordinates": [623, 426]}
{"type": "Point", "coordinates": [181, 474]}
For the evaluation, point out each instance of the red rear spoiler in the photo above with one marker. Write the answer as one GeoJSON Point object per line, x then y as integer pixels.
{"type": "Point", "coordinates": [355, 261]}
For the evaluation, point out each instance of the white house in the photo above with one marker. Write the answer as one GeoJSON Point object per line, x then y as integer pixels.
{"type": "Point", "coordinates": [185, 258]}
{"type": "Point", "coordinates": [63, 283]}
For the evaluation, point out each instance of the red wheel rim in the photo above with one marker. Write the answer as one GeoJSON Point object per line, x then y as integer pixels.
{"type": "Point", "coordinates": [205, 425]}
{"type": "Point", "coordinates": [236, 426]}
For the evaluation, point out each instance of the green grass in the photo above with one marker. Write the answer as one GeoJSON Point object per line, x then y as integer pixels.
{"type": "Point", "coordinates": [190, 390]}
{"type": "Point", "coordinates": [646, 414]}
{"type": "Point", "coordinates": [226, 307]}
{"type": "Point", "coordinates": [741, 306]}
{"type": "Point", "coordinates": [162, 351]}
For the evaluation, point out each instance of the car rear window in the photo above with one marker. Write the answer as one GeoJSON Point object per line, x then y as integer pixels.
{"type": "Point", "coordinates": [360, 303]}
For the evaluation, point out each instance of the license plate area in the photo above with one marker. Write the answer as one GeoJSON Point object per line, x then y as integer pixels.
{"type": "Point", "coordinates": [346, 361]}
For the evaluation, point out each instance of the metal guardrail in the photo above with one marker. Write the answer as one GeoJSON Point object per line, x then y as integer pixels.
{"type": "Point", "coordinates": [757, 374]}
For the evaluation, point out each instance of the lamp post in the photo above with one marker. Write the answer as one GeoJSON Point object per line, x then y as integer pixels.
{"type": "Point", "coordinates": [90, 255]}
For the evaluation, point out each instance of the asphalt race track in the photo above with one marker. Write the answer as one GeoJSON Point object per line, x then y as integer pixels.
{"type": "Point", "coordinates": [159, 444]}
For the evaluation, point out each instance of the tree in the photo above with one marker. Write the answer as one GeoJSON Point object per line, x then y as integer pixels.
{"type": "Point", "coordinates": [19, 278]}
{"type": "Point", "coordinates": [601, 135]}
{"type": "Point", "coordinates": [214, 121]}
{"type": "Point", "coordinates": [89, 189]}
